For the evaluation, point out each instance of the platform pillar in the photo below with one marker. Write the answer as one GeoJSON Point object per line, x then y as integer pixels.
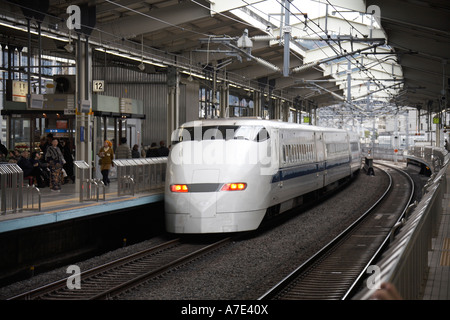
{"type": "Point", "coordinates": [172, 102]}
{"type": "Point", "coordinates": [257, 104]}
{"type": "Point", "coordinates": [84, 117]}
{"type": "Point", "coordinates": [224, 99]}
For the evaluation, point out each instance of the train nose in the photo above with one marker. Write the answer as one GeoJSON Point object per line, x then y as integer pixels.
{"type": "Point", "coordinates": [203, 204]}
{"type": "Point", "coordinates": [203, 207]}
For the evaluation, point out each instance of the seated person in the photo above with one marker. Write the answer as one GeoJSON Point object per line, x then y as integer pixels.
{"type": "Point", "coordinates": [12, 157]}
{"type": "Point", "coordinates": [28, 168]}
{"type": "Point", "coordinates": [40, 167]}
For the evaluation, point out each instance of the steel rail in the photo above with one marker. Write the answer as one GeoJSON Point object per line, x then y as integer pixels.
{"type": "Point", "coordinates": [121, 274]}
{"type": "Point", "coordinates": [318, 290]}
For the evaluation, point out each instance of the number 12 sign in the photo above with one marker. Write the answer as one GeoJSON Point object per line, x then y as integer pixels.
{"type": "Point", "coordinates": [98, 85]}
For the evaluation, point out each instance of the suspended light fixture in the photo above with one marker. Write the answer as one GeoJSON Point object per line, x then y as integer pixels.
{"type": "Point", "coordinates": [141, 66]}
{"type": "Point", "coordinates": [69, 46]}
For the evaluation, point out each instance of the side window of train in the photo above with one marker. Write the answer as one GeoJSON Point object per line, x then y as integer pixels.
{"type": "Point", "coordinates": [354, 146]}
{"type": "Point", "coordinates": [285, 153]}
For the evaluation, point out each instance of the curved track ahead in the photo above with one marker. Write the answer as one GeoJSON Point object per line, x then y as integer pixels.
{"type": "Point", "coordinates": [334, 271]}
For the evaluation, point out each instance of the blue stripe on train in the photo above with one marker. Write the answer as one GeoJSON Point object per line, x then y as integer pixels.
{"type": "Point", "coordinates": [284, 174]}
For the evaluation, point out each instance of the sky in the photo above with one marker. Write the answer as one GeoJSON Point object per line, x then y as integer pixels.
{"type": "Point", "coordinates": [273, 8]}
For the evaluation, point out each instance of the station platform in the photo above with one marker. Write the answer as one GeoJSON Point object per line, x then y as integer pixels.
{"type": "Point", "coordinates": [437, 283]}
{"type": "Point", "coordinates": [66, 205]}
{"type": "Point", "coordinates": [437, 286]}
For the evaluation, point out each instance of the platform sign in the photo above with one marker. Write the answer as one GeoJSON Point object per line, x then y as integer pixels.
{"type": "Point", "coordinates": [20, 91]}
{"type": "Point", "coordinates": [85, 106]}
{"type": "Point", "coordinates": [68, 111]}
{"type": "Point", "coordinates": [98, 85]}
{"type": "Point", "coordinates": [126, 105]}
{"type": "Point", "coordinates": [36, 101]}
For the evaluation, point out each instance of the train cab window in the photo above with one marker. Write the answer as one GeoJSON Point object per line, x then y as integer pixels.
{"type": "Point", "coordinates": [251, 133]}
{"type": "Point", "coordinates": [262, 135]}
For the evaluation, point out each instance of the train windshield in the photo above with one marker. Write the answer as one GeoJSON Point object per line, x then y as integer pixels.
{"type": "Point", "coordinates": [251, 133]}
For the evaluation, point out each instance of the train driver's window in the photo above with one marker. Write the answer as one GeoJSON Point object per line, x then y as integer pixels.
{"type": "Point", "coordinates": [262, 135]}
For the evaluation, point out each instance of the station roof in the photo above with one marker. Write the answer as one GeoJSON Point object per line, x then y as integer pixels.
{"type": "Point", "coordinates": [394, 52]}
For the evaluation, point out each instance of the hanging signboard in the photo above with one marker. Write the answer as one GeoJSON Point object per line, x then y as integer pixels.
{"type": "Point", "coordinates": [20, 91]}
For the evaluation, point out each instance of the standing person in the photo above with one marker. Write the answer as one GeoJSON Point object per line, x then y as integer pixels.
{"type": "Point", "coordinates": [163, 151]}
{"type": "Point", "coordinates": [55, 160]}
{"type": "Point", "coordinates": [47, 143]}
{"type": "Point", "coordinates": [143, 150]}
{"type": "Point", "coordinates": [42, 171]}
{"type": "Point", "coordinates": [67, 154]}
{"type": "Point", "coordinates": [106, 155]}
{"type": "Point", "coordinates": [3, 149]}
{"type": "Point", "coordinates": [123, 150]}
{"type": "Point", "coordinates": [152, 152]}
{"type": "Point", "coordinates": [135, 152]}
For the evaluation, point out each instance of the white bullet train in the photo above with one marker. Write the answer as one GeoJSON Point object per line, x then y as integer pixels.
{"type": "Point", "coordinates": [226, 175]}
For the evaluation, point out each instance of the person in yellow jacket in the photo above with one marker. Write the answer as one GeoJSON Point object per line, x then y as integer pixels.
{"type": "Point", "coordinates": [106, 155]}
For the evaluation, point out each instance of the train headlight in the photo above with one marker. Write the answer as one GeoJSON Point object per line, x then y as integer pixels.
{"type": "Point", "coordinates": [235, 186]}
{"type": "Point", "coordinates": [179, 188]}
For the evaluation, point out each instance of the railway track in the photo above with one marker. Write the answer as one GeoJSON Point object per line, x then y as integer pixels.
{"type": "Point", "coordinates": [339, 268]}
{"type": "Point", "coordinates": [109, 280]}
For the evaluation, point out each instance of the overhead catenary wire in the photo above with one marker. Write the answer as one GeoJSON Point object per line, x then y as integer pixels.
{"type": "Point", "coordinates": [356, 29]}
{"type": "Point", "coordinates": [126, 41]}
{"type": "Point", "coordinates": [330, 39]}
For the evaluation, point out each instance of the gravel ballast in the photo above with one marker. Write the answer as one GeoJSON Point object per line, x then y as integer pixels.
{"type": "Point", "coordinates": [249, 267]}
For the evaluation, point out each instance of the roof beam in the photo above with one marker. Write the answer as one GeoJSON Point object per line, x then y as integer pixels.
{"type": "Point", "coordinates": [129, 27]}
{"type": "Point", "coordinates": [414, 14]}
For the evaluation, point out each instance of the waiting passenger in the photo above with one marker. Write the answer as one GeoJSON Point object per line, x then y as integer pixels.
{"type": "Point", "coordinates": [12, 158]}
{"type": "Point", "coordinates": [28, 169]}
{"type": "Point", "coordinates": [3, 149]}
{"type": "Point", "coordinates": [42, 168]}
{"type": "Point", "coordinates": [47, 143]}
{"type": "Point", "coordinates": [163, 151]}
{"type": "Point", "coordinates": [143, 151]}
{"type": "Point", "coordinates": [55, 160]}
{"type": "Point", "coordinates": [68, 166]}
{"type": "Point", "coordinates": [152, 152]}
{"type": "Point", "coordinates": [123, 150]}
{"type": "Point", "coordinates": [106, 155]}
{"type": "Point", "coordinates": [135, 152]}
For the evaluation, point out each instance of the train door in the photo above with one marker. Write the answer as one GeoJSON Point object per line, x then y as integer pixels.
{"type": "Point", "coordinates": [275, 150]}
{"type": "Point", "coordinates": [321, 156]}
{"type": "Point", "coordinates": [276, 157]}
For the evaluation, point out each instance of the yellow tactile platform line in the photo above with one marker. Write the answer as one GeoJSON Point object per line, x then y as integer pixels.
{"type": "Point", "coordinates": [74, 203]}
{"type": "Point", "coordinates": [445, 255]}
